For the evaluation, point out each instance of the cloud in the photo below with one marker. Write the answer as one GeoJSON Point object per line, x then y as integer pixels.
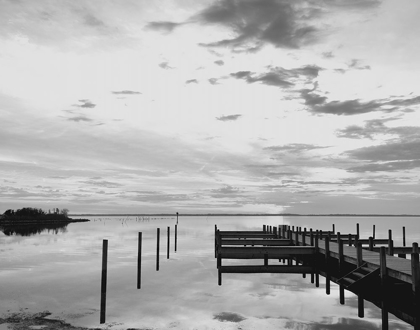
{"type": "Point", "coordinates": [355, 64]}
{"type": "Point", "coordinates": [388, 152]}
{"type": "Point", "coordinates": [192, 81]}
{"type": "Point", "coordinates": [405, 102]}
{"type": "Point", "coordinates": [219, 62]}
{"type": "Point", "coordinates": [277, 76]}
{"type": "Point", "coordinates": [85, 104]}
{"type": "Point", "coordinates": [126, 92]}
{"type": "Point", "coordinates": [228, 118]}
{"type": "Point", "coordinates": [375, 127]}
{"type": "Point", "coordinates": [101, 183]}
{"type": "Point", "coordinates": [163, 26]}
{"type": "Point", "coordinates": [386, 167]}
{"type": "Point", "coordinates": [294, 147]}
{"type": "Point", "coordinates": [165, 65]}
{"type": "Point", "coordinates": [258, 22]}
{"type": "Point", "coordinates": [80, 118]}
{"type": "Point", "coordinates": [213, 81]}
{"type": "Point", "coordinates": [226, 192]}
{"type": "Point", "coordinates": [90, 19]}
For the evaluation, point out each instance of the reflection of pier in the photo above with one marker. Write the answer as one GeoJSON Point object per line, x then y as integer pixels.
{"type": "Point", "coordinates": [358, 265]}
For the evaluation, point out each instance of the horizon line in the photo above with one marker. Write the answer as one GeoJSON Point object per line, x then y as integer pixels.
{"type": "Point", "coordinates": [246, 214]}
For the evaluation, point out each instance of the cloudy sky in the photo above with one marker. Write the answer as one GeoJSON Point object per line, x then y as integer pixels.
{"type": "Point", "coordinates": [235, 106]}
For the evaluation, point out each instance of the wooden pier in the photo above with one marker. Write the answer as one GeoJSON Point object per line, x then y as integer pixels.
{"type": "Point", "coordinates": [372, 268]}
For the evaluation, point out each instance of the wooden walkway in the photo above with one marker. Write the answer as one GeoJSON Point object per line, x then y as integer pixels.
{"type": "Point", "coordinates": [373, 273]}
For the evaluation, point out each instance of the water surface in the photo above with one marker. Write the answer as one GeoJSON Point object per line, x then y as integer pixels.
{"type": "Point", "coordinates": [60, 270]}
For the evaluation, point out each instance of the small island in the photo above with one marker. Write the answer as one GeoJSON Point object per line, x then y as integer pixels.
{"type": "Point", "coordinates": [34, 216]}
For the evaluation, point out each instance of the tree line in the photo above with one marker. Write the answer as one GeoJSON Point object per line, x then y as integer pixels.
{"type": "Point", "coordinates": [35, 214]}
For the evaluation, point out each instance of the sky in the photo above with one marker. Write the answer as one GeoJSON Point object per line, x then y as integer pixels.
{"type": "Point", "coordinates": [230, 106]}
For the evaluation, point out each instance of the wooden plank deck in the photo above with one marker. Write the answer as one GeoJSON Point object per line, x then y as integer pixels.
{"type": "Point", "coordinates": [398, 268]}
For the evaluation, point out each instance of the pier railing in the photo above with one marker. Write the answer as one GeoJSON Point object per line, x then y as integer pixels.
{"type": "Point", "coordinates": [367, 267]}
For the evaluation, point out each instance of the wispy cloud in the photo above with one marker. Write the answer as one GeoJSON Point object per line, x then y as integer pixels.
{"type": "Point", "coordinates": [294, 147]}
{"type": "Point", "coordinates": [126, 92]}
{"type": "Point", "coordinates": [279, 77]}
{"type": "Point", "coordinates": [80, 118]}
{"type": "Point", "coordinates": [85, 104]}
{"type": "Point", "coordinates": [162, 26]}
{"type": "Point", "coordinates": [228, 118]}
{"type": "Point", "coordinates": [165, 65]}
{"type": "Point", "coordinates": [192, 81]}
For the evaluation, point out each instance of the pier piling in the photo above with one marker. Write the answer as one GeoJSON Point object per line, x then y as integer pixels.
{"type": "Point", "coordinates": [139, 261]}
{"type": "Point", "coordinates": [103, 280]}
{"type": "Point", "coordinates": [157, 248]}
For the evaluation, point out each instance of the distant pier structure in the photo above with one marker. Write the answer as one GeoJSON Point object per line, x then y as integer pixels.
{"type": "Point", "coordinates": [372, 268]}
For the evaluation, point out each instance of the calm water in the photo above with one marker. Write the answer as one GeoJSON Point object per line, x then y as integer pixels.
{"type": "Point", "coordinates": [59, 271]}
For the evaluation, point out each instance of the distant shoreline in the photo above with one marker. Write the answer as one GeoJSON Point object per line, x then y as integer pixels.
{"type": "Point", "coordinates": [242, 215]}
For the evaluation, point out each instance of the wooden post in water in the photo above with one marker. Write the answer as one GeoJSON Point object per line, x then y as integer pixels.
{"type": "Point", "coordinates": [327, 257]}
{"type": "Point", "coordinates": [373, 234]}
{"type": "Point", "coordinates": [316, 261]}
{"type": "Point", "coordinates": [383, 275]}
{"type": "Point", "coordinates": [157, 248]}
{"type": "Point", "coordinates": [139, 261]}
{"type": "Point", "coordinates": [415, 271]}
{"type": "Point", "coordinates": [103, 280]}
{"type": "Point", "coordinates": [264, 228]}
{"type": "Point", "coordinates": [176, 217]}
{"type": "Point", "coordinates": [403, 236]}
{"type": "Point", "coordinates": [391, 247]}
{"type": "Point", "coordinates": [357, 230]}
{"type": "Point", "coordinates": [350, 240]}
{"type": "Point", "coordinates": [340, 265]}
{"type": "Point", "coordinates": [333, 227]}
{"type": "Point", "coordinates": [176, 237]}
{"type": "Point", "coordinates": [370, 243]}
{"type": "Point", "coordinates": [360, 302]}
{"type": "Point", "coordinates": [168, 243]}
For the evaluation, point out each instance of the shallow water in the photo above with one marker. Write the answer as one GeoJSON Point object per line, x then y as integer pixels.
{"type": "Point", "coordinates": [60, 271]}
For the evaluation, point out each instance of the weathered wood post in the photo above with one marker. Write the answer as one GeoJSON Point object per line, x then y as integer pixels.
{"type": "Point", "coordinates": [168, 243]}
{"type": "Point", "coordinates": [264, 228]}
{"type": "Point", "coordinates": [333, 228]}
{"type": "Point", "coordinates": [350, 239]}
{"type": "Point", "coordinates": [389, 235]}
{"type": "Point", "coordinates": [415, 273]}
{"type": "Point", "coordinates": [383, 275]}
{"type": "Point", "coordinates": [370, 243]}
{"type": "Point", "coordinates": [139, 261]}
{"type": "Point", "coordinates": [373, 234]}
{"type": "Point", "coordinates": [103, 280]}
{"type": "Point", "coordinates": [176, 237]}
{"type": "Point", "coordinates": [391, 247]}
{"type": "Point", "coordinates": [357, 230]}
{"type": "Point", "coordinates": [340, 265]}
{"type": "Point", "coordinates": [316, 260]}
{"type": "Point", "coordinates": [157, 248]}
{"type": "Point", "coordinates": [415, 247]}
{"type": "Point", "coordinates": [304, 237]}
{"type": "Point", "coordinates": [403, 236]}
{"type": "Point", "coordinates": [327, 257]}
{"type": "Point", "coordinates": [297, 238]}
{"type": "Point", "coordinates": [360, 301]}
